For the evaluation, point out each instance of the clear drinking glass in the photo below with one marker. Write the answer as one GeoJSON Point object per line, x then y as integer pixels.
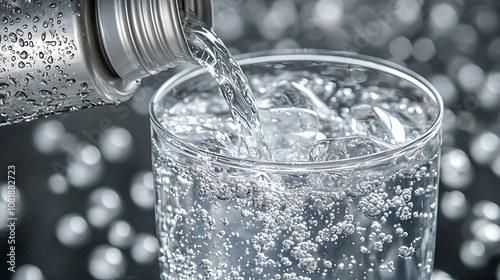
{"type": "Point", "coordinates": [351, 193]}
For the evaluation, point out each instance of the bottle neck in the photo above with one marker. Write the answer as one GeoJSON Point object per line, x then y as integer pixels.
{"type": "Point", "coordinates": [142, 38]}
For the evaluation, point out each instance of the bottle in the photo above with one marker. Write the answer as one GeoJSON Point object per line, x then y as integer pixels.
{"type": "Point", "coordinates": [64, 55]}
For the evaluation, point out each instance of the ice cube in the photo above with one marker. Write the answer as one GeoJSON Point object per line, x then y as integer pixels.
{"type": "Point", "coordinates": [290, 132]}
{"type": "Point", "coordinates": [215, 134]}
{"type": "Point", "coordinates": [286, 92]}
{"type": "Point", "coordinates": [375, 122]}
{"type": "Point", "coordinates": [346, 147]}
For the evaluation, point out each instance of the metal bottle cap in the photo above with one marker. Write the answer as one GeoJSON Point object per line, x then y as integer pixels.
{"type": "Point", "coordinates": [141, 38]}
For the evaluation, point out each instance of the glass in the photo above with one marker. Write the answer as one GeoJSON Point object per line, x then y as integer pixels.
{"type": "Point", "coordinates": [355, 197]}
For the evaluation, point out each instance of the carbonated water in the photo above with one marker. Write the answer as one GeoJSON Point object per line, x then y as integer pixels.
{"type": "Point", "coordinates": [219, 217]}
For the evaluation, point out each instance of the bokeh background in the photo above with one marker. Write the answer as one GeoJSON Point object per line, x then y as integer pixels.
{"type": "Point", "coordinates": [85, 192]}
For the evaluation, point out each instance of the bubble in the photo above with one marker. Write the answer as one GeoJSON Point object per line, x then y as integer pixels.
{"type": "Point", "coordinates": [106, 262]}
{"type": "Point", "coordinates": [440, 275]}
{"type": "Point", "coordinates": [495, 166]}
{"type": "Point", "coordinates": [453, 205]}
{"type": "Point", "coordinates": [85, 167]}
{"type": "Point", "coordinates": [401, 48]}
{"type": "Point", "coordinates": [328, 14]}
{"type": "Point", "coordinates": [443, 17]}
{"type": "Point", "coordinates": [230, 25]}
{"type": "Point", "coordinates": [28, 272]}
{"type": "Point", "coordinates": [487, 210]}
{"type": "Point", "coordinates": [145, 248]}
{"type": "Point", "coordinates": [445, 87]}
{"type": "Point", "coordinates": [423, 49]}
{"type": "Point", "coordinates": [57, 183]}
{"type": "Point", "coordinates": [494, 48]}
{"type": "Point", "coordinates": [116, 144]}
{"type": "Point", "coordinates": [470, 77]}
{"type": "Point", "coordinates": [456, 169]}
{"type": "Point", "coordinates": [484, 147]}
{"type": "Point", "coordinates": [487, 21]}
{"type": "Point", "coordinates": [104, 205]}
{"type": "Point", "coordinates": [486, 232]}
{"type": "Point", "coordinates": [72, 230]}
{"type": "Point", "coordinates": [142, 190]}
{"type": "Point", "coordinates": [489, 96]}
{"type": "Point", "coordinates": [121, 234]}
{"type": "Point", "coordinates": [47, 136]}
{"type": "Point", "coordinates": [473, 254]}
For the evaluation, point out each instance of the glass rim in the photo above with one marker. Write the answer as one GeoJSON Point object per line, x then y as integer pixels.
{"type": "Point", "coordinates": [370, 62]}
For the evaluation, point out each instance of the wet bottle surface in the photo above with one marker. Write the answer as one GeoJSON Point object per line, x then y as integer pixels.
{"type": "Point", "coordinates": [65, 55]}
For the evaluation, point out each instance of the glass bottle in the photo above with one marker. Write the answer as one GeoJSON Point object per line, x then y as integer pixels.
{"type": "Point", "coordinates": [64, 55]}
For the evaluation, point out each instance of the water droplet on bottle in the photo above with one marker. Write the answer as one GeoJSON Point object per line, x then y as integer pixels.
{"type": "Point", "coordinates": [106, 262]}
{"type": "Point", "coordinates": [3, 86]}
{"type": "Point", "coordinates": [28, 272]}
{"type": "Point", "coordinates": [52, 5]}
{"type": "Point", "coordinates": [21, 95]}
{"type": "Point", "coordinates": [23, 54]}
{"type": "Point", "coordinates": [44, 35]}
{"type": "Point", "coordinates": [50, 59]}
{"type": "Point", "coordinates": [17, 10]}
{"type": "Point", "coordinates": [145, 248]}
{"type": "Point", "coordinates": [21, 64]}
{"type": "Point", "coordinates": [45, 93]}
{"type": "Point", "coordinates": [35, 19]}
{"type": "Point", "coordinates": [13, 37]}
{"type": "Point", "coordinates": [72, 230]}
